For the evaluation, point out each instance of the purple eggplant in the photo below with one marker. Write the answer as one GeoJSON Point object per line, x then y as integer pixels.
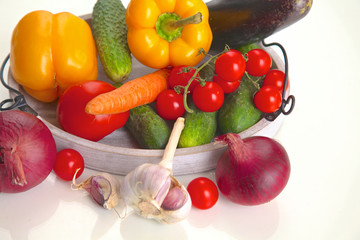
{"type": "Point", "coordinates": [241, 22]}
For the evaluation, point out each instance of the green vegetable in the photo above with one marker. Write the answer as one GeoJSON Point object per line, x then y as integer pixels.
{"type": "Point", "coordinates": [238, 111]}
{"type": "Point", "coordinates": [148, 128]}
{"type": "Point", "coordinates": [208, 71]}
{"type": "Point", "coordinates": [110, 34]}
{"type": "Point", "coordinates": [200, 128]}
{"type": "Point", "coordinates": [244, 49]}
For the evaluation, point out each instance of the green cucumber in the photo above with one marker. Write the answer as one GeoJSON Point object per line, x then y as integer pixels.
{"type": "Point", "coordinates": [148, 128]}
{"type": "Point", "coordinates": [246, 48]}
{"type": "Point", "coordinates": [238, 112]}
{"type": "Point", "coordinates": [110, 35]}
{"type": "Point", "coordinates": [200, 128]}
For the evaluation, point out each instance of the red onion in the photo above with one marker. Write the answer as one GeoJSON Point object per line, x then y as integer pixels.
{"type": "Point", "coordinates": [253, 170]}
{"type": "Point", "coordinates": [27, 151]}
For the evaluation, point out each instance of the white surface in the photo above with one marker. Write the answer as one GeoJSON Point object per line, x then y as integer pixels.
{"type": "Point", "coordinates": [322, 198]}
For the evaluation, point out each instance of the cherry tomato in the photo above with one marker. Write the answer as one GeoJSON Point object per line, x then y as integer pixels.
{"type": "Point", "coordinates": [66, 164]}
{"type": "Point", "coordinates": [268, 99]}
{"type": "Point", "coordinates": [258, 62]}
{"type": "Point", "coordinates": [208, 98]}
{"type": "Point", "coordinates": [180, 76]}
{"type": "Point", "coordinates": [203, 193]}
{"type": "Point", "coordinates": [170, 105]}
{"type": "Point", "coordinates": [72, 117]}
{"type": "Point", "coordinates": [230, 65]}
{"type": "Point", "coordinates": [228, 87]}
{"type": "Point", "coordinates": [275, 78]}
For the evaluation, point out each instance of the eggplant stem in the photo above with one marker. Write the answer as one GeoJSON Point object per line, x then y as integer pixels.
{"type": "Point", "coordinates": [169, 152]}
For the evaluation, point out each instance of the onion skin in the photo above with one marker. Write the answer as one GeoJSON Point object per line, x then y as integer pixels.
{"type": "Point", "coordinates": [252, 171]}
{"type": "Point", "coordinates": [27, 151]}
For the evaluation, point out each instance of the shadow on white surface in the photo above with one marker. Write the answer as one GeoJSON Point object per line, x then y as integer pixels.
{"type": "Point", "coordinates": [240, 222]}
{"type": "Point", "coordinates": [150, 229]}
{"type": "Point", "coordinates": [24, 211]}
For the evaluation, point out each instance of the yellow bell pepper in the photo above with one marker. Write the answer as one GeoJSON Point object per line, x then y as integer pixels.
{"type": "Point", "coordinates": [50, 52]}
{"type": "Point", "coordinates": [168, 32]}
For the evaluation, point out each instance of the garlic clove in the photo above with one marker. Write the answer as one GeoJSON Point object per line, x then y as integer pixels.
{"type": "Point", "coordinates": [177, 205]}
{"type": "Point", "coordinates": [174, 199]}
{"type": "Point", "coordinates": [163, 191]}
{"type": "Point", "coordinates": [100, 189]}
{"type": "Point", "coordinates": [103, 187]}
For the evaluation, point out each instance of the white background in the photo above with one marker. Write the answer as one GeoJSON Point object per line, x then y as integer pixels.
{"type": "Point", "coordinates": [322, 198]}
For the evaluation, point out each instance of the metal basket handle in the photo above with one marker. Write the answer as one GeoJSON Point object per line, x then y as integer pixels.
{"type": "Point", "coordinates": [285, 101]}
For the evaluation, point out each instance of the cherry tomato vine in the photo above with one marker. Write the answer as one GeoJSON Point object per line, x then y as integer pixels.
{"type": "Point", "coordinates": [228, 67]}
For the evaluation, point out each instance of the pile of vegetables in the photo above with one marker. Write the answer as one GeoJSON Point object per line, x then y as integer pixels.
{"type": "Point", "coordinates": [227, 93]}
{"type": "Point", "coordinates": [175, 37]}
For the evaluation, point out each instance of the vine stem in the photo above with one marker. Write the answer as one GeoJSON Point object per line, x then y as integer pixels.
{"type": "Point", "coordinates": [197, 70]}
{"type": "Point", "coordinates": [254, 82]}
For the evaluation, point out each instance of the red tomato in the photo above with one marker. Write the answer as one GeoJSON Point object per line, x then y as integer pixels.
{"type": "Point", "coordinates": [258, 62]}
{"type": "Point", "coordinates": [275, 78]}
{"type": "Point", "coordinates": [268, 99]}
{"type": "Point", "coordinates": [203, 193]}
{"type": "Point", "coordinates": [170, 105]}
{"type": "Point", "coordinates": [72, 117]}
{"type": "Point", "coordinates": [228, 87]}
{"type": "Point", "coordinates": [66, 164]}
{"type": "Point", "coordinates": [180, 76]}
{"type": "Point", "coordinates": [230, 65]}
{"type": "Point", "coordinates": [208, 98]}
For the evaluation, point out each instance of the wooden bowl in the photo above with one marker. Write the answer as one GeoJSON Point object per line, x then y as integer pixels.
{"type": "Point", "coordinates": [118, 153]}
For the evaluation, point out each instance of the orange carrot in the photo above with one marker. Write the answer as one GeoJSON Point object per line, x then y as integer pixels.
{"type": "Point", "coordinates": [139, 91]}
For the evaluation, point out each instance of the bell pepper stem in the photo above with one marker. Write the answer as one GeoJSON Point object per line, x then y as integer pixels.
{"type": "Point", "coordinates": [169, 25]}
{"type": "Point", "coordinates": [194, 19]}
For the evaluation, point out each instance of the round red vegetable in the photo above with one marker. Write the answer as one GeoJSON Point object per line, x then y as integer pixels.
{"type": "Point", "coordinates": [275, 77]}
{"type": "Point", "coordinates": [72, 116]}
{"type": "Point", "coordinates": [228, 87]}
{"type": "Point", "coordinates": [230, 65]}
{"type": "Point", "coordinates": [258, 62]}
{"type": "Point", "coordinates": [268, 99]}
{"type": "Point", "coordinates": [208, 98]}
{"type": "Point", "coordinates": [27, 151]}
{"type": "Point", "coordinates": [170, 105]}
{"type": "Point", "coordinates": [180, 76]}
{"type": "Point", "coordinates": [203, 193]}
{"type": "Point", "coordinates": [253, 170]}
{"type": "Point", "coordinates": [68, 161]}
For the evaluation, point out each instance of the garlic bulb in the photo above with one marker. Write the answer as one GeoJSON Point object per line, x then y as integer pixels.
{"type": "Point", "coordinates": [152, 191]}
